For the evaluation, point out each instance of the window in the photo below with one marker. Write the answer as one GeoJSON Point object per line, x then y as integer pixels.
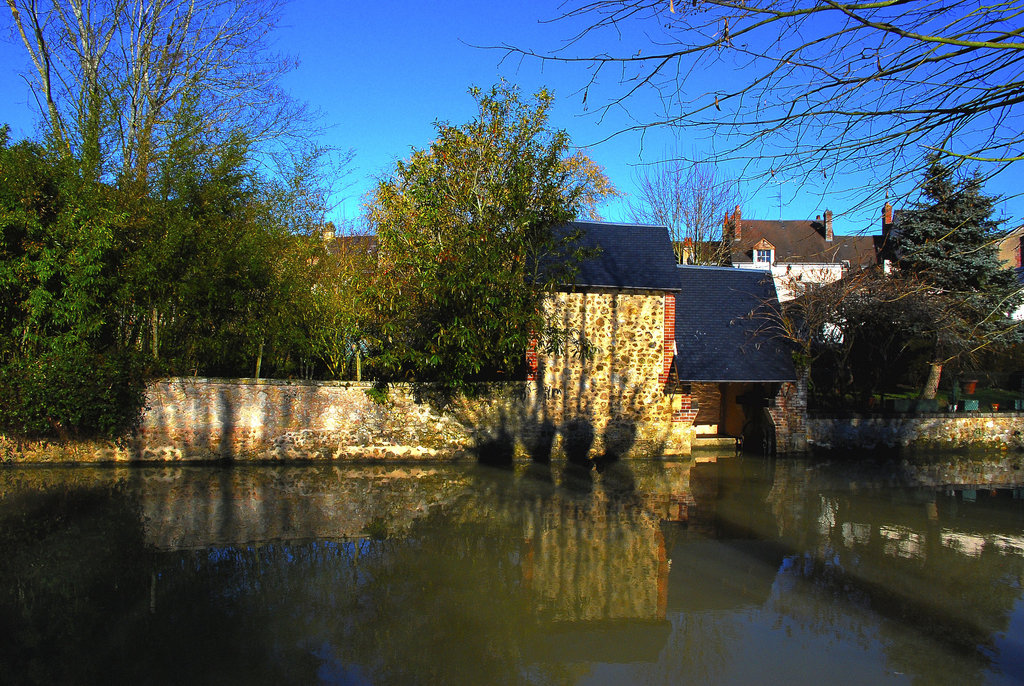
{"type": "Point", "coordinates": [763, 256]}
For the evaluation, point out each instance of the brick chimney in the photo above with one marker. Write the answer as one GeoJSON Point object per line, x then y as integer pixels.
{"type": "Point", "coordinates": [737, 229]}
{"type": "Point", "coordinates": [886, 215]}
{"type": "Point", "coordinates": [828, 226]}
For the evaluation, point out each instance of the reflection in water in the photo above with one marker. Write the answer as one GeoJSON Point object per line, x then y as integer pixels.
{"type": "Point", "coordinates": [729, 571]}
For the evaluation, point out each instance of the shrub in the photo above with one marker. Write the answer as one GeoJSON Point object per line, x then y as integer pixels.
{"type": "Point", "coordinates": [76, 393]}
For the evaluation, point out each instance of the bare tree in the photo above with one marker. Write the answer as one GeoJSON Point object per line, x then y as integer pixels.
{"type": "Point", "coordinates": [109, 75]}
{"type": "Point", "coordinates": [691, 200]}
{"type": "Point", "coordinates": [815, 88]}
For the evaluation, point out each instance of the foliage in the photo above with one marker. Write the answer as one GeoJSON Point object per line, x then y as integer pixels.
{"type": "Point", "coordinates": [338, 302]}
{"type": "Point", "coordinates": [948, 242]}
{"type": "Point", "coordinates": [147, 226]}
{"type": "Point", "coordinates": [73, 393]}
{"type": "Point", "coordinates": [464, 228]}
{"type": "Point", "coordinates": [62, 369]}
{"type": "Point", "coordinates": [857, 335]}
{"type": "Point", "coordinates": [201, 275]}
{"type": "Point", "coordinates": [379, 394]}
{"type": "Point", "coordinates": [949, 238]}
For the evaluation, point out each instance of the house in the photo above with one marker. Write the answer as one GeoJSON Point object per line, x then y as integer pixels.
{"type": "Point", "coordinates": [799, 253]}
{"type": "Point", "coordinates": [1010, 247]}
{"type": "Point", "coordinates": [665, 340]}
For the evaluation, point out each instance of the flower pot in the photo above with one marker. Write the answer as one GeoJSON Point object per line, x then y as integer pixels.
{"type": "Point", "coordinates": [995, 407]}
{"type": "Point", "coordinates": [970, 387]}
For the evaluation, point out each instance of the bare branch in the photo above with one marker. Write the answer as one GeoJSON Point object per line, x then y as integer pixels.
{"type": "Point", "coordinates": [119, 71]}
{"type": "Point", "coordinates": [803, 87]}
{"type": "Point", "coordinates": [691, 201]}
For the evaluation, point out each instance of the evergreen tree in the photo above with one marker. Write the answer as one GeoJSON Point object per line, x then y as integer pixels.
{"type": "Point", "coordinates": [946, 246]}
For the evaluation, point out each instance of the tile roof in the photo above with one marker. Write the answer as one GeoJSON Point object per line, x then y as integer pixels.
{"type": "Point", "coordinates": [804, 242]}
{"type": "Point", "coordinates": [723, 327]}
{"type": "Point", "coordinates": [631, 256]}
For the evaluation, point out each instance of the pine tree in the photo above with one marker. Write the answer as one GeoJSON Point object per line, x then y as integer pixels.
{"type": "Point", "coordinates": [947, 244]}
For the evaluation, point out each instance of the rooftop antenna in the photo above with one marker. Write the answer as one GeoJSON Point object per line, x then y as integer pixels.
{"type": "Point", "coordinates": [778, 190]}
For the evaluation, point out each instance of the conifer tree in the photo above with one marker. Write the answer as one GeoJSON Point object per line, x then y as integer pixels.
{"type": "Point", "coordinates": [947, 246]}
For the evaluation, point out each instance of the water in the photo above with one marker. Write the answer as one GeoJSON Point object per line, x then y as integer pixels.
{"type": "Point", "coordinates": [731, 571]}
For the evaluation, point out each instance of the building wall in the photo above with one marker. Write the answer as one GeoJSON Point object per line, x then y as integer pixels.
{"type": "Point", "coordinates": [788, 410]}
{"type": "Point", "coordinates": [1010, 248]}
{"type": "Point", "coordinates": [791, 278]}
{"type": "Point", "coordinates": [615, 401]}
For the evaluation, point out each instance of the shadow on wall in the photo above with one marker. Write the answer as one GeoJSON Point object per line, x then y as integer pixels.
{"type": "Point", "coordinates": [197, 420]}
{"type": "Point", "coordinates": [508, 429]}
{"type": "Point", "coordinates": [590, 415]}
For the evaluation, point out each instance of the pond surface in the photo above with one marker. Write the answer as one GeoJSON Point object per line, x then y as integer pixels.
{"type": "Point", "coordinates": [724, 571]}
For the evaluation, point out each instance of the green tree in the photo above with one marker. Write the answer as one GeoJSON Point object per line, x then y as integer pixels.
{"type": "Point", "coordinates": [948, 241]}
{"type": "Point", "coordinates": [62, 367]}
{"type": "Point", "coordinates": [338, 303]}
{"type": "Point", "coordinates": [215, 268]}
{"type": "Point", "coordinates": [463, 228]}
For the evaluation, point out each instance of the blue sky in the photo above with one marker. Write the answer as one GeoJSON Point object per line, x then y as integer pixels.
{"type": "Point", "coordinates": [383, 73]}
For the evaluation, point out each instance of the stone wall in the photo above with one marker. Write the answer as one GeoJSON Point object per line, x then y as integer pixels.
{"type": "Point", "coordinates": [616, 401]}
{"type": "Point", "coordinates": [924, 432]}
{"type": "Point", "coordinates": [247, 419]}
{"type": "Point", "coordinates": [193, 419]}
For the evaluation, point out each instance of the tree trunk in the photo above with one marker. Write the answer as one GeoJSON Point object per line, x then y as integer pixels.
{"type": "Point", "coordinates": [156, 324]}
{"type": "Point", "coordinates": [931, 386]}
{"type": "Point", "coordinates": [259, 360]}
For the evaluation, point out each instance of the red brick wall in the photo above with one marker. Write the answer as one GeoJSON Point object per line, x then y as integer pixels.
{"type": "Point", "coordinates": [686, 412]}
{"type": "Point", "coordinates": [788, 410]}
{"type": "Point", "coordinates": [531, 361]}
{"type": "Point", "coordinates": [669, 344]}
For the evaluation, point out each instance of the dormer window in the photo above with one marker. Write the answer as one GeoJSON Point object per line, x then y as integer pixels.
{"type": "Point", "coordinates": [764, 253]}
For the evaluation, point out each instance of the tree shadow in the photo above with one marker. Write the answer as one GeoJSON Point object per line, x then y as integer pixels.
{"type": "Point", "coordinates": [497, 446]}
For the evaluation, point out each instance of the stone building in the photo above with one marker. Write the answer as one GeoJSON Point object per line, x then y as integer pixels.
{"type": "Point", "coordinates": [677, 349]}
{"type": "Point", "coordinates": [622, 303]}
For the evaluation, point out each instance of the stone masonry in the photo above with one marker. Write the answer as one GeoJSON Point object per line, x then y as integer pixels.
{"type": "Point", "coordinates": [614, 402]}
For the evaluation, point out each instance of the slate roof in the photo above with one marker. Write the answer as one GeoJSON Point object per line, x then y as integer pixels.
{"type": "Point", "coordinates": [723, 327]}
{"type": "Point", "coordinates": [803, 242]}
{"type": "Point", "coordinates": [630, 256]}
